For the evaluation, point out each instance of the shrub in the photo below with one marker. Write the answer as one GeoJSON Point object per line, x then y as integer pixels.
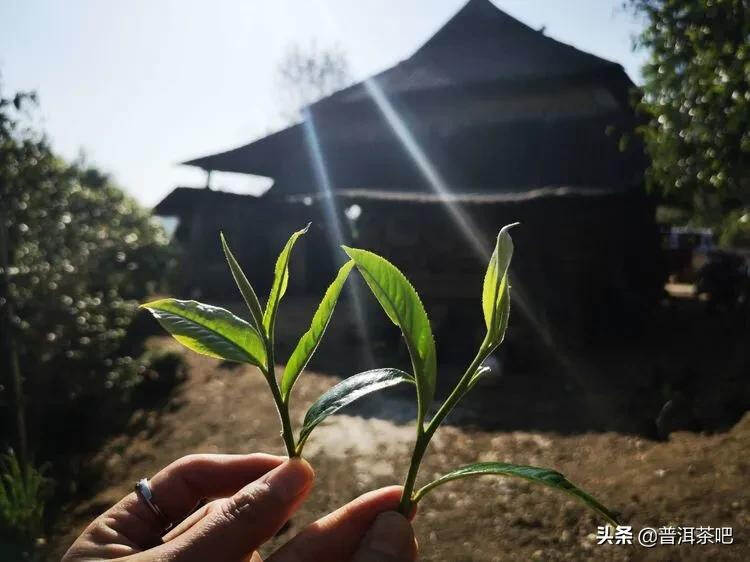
{"type": "Point", "coordinates": [80, 251]}
{"type": "Point", "coordinates": [22, 494]}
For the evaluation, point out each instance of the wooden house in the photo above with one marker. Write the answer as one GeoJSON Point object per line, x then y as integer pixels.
{"type": "Point", "coordinates": [489, 122]}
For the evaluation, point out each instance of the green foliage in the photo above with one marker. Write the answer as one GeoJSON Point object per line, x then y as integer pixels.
{"type": "Point", "coordinates": [496, 289]}
{"type": "Point", "coordinates": [217, 333]}
{"type": "Point", "coordinates": [23, 490]}
{"type": "Point", "coordinates": [248, 293]}
{"type": "Point", "coordinates": [346, 392]}
{"type": "Point", "coordinates": [163, 370]}
{"type": "Point", "coordinates": [696, 98]}
{"type": "Point", "coordinates": [280, 282]}
{"type": "Point", "coordinates": [735, 230]}
{"type": "Point", "coordinates": [403, 306]}
{"type": "Point", "coordinates": [543, 476]}
{"type": "Point", "coordinates": [80, 253]}
{"type": "Point", "coordinates": [310, 340]}
{"type": "Point", "coordinates": [210, 330]}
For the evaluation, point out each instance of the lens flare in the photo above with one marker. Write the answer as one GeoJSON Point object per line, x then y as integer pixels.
{"type": "Point", "coordinates": [428, 170]}
{"type": "Point", "coordinates": [472, 234]}
{"type": "Point", "coordinates": [334, 222]}
{"type": "Point", "coordinates": [467, 227]}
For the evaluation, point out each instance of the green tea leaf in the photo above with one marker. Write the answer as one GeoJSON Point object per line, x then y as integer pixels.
{"type": "Point", "coordinates": [280, 282]}
{"type": "Point", "coordinates": [346, 392]}
{"type": "Point", "coordinates": [310, 340]}
{"type": "Point", "coordinates": [248, 293]}
{"type": "Point", "coordinates": [210, 330]}
{"type": "Point", "coordinates": [496, 289]}
{"type": "Point", "coordinates": [544, 476]}
{"type": "Point", "coordinates": [402, 305]}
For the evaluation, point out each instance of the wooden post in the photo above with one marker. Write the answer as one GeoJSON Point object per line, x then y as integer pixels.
{"type": "Point", "coordinates": [6, 317]}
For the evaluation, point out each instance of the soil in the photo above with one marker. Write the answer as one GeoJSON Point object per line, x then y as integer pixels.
{"type": "Point", "coordinates": [691, 479]}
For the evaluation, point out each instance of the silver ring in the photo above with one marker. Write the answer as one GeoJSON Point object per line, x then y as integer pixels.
{"type": "Point", "coordinates": [143, 491]}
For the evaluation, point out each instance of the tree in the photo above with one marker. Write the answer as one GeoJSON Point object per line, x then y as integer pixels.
{"type": "Point", "coordinates": [79, 252]}
{"type": "Point", "coordinates": [696, 99]}
{"type": "Point", "coordinates": [305, 75]}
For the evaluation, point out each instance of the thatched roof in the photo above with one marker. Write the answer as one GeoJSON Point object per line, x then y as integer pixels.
{"type": "Point", "coordinates": [481, 44]}
{"type": "Point", "coordinates": [493, 102]}
{"type": "Point", "coordinates": [184, 199]}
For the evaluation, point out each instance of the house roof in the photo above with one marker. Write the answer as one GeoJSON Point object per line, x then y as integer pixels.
{"type": "Point", "coordinates": [481, 44]}
{"type": "Point", "coordinates": [182, 199]}
{"type": "Point", "coordinates": [480, 48]}
{"type": "Point", "coordinates": [257, 157]}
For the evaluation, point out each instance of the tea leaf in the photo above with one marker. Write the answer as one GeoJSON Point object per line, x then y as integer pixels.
{"type": "Point", "coordinates": [544, 476]}
{"type": "Point", "coordinates": [346, 392]}
{"type": "Point", "coordinates": [310, 340]}
{"type": "Point", "coordinates": [210, 330]}
{"type": "Point", "coordinates": [402, 305]}
{"type": "Point", "coordinates": [280, 282]}
{"type": "Point", "coordinates": [248, 293]}
{"type": "Point", "coordinates": [496, 289]}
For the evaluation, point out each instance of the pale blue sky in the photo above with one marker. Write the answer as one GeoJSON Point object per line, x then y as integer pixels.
{"type": "Point", "coordinates": [144, 84]}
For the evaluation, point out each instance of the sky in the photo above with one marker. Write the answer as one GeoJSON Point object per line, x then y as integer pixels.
{"type": "Point", "coordinates": [140, 86]}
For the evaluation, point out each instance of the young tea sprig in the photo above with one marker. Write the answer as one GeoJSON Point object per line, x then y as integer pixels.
{"type": "Point", "coordinates": [217, 333]}
{"type": "Point", "coordinates": [402, 305]}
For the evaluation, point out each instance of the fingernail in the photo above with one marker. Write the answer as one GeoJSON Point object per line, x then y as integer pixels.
{"type": "Point", "coordinates": [290, 479]}
{"type": "Point", "coordinates": [390, 535]}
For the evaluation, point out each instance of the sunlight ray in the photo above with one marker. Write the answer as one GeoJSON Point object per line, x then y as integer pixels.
{"type": "Point", "coordinates": [334, 222]}
{"type": "Point", "coordinates": [473, 236]}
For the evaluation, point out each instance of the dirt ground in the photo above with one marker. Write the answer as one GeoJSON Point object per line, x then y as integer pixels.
{"type": "Point", "coordinates": [691, 480]}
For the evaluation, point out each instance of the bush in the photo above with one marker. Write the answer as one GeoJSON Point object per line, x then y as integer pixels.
{"type": "Point", "coordinates": [80, 253]}
{"type": "Point", "coordinates": [161, 371]}
{"type": "Point", "coordinates": [735, 229]}
{"type": "Point", "coordinates": [22, 495]}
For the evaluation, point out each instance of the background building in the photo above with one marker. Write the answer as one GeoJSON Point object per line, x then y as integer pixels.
{"type": "Point", "coordinates": [489, 122]}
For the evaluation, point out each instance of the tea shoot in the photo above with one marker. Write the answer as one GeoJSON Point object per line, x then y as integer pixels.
{"type": "Point", "coordinates": [403, 306]}
{"type": "Point", "coordinates": [217, 333]}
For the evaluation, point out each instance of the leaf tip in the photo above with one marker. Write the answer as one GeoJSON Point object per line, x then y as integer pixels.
{"type": "Point", "coordinates": [507, 227]}
{"type": "Point", "coordinates": [225, 245]}
{"type": "Point", "coordinates": [149, 305]}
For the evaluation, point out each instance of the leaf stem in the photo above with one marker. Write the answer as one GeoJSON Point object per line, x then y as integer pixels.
{"type": "Point", "coordinates": [281, 407]}
{"type": "Point", "coordinates": [420, 446]}
{"type": "Point", "coordinates": [408, 499]}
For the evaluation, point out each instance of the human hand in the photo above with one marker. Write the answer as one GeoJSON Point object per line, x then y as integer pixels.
{"type": "Point", "coordinates": [252, 496]}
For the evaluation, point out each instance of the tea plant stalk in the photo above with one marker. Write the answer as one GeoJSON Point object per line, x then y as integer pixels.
{"type": "Point", "coordinates": [287, 433]}
{"type": "Point", "coordinates": [217, 333]}
{"type": "Point", "coordinates": [424, 435]}
{"type": "Point", "coordinates": [402, 305]}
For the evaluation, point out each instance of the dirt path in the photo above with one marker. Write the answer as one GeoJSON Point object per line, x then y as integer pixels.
{"type": "Point", "coordinates": [691, 480]}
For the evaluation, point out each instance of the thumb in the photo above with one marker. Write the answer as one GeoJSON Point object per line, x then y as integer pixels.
{"type": "Point", "coordinates": [390, 539]}
{"type": "Point", "coordinates": [234, 527]}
